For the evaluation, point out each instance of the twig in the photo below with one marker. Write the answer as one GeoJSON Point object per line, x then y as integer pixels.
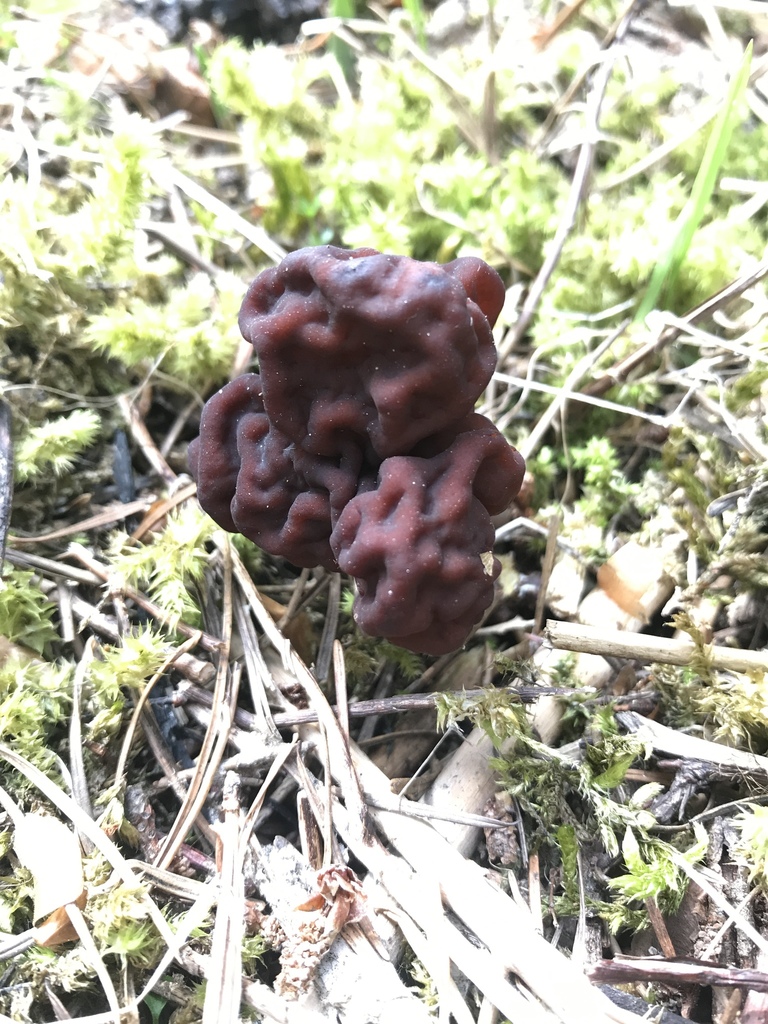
{"type": "Point", "coordinates": [625, 970]}
{"type": "Point", "coordinates": [578, 81]}
{"type": "Point", "coordinates": [413, 809]}
{"type": "Point", "coordinates": [210, 643]}
{"type": "Point", "coordinates": [660, 927]}
{"type": "Point", "coordinates": [548, 563]}
{"type": "Point", "coordinates": [47, 567]}
{"type": "Point", "coordinates": [296, 597]}
{"type": "Point", "coordinates": [564, 15]}
{"type": "Point", "coordinates": [178, 425]}
{"type": "Point", "coordinates": [382, 706]}
{"type": "Point", "coordinates": [194, 669]}
{"type": "Point", "coordinates": [585, 397]}
{"type": "Point", "coordinates": [144, 439]}
{"type": "Point", "coordinates": [615, 643]}
{"type": "Point", "coordinates": [165, 234]}
{"type": "Point", "coordinates": [160, 509]}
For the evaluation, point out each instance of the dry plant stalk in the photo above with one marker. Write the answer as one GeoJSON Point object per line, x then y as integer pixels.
{"type": "Point", "coordinates": [615, 643]}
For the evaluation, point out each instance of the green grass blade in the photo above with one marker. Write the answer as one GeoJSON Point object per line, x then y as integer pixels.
{"type": "Point", "coordinates": [341, 50]}
{"type": "Point", "coordinates": [666, 270]}
{"type": "Point", "coordinates": [415, 9]}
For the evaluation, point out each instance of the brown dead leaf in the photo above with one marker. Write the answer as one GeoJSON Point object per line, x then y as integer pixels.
{"type": "Point", "coordinates": [58, 927]}
{"type": "Point", "coordinates": [180, 86]}
{"type": "Point", "coordinates": [299, 630]}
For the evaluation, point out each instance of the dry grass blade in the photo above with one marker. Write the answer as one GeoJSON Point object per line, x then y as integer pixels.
{"type": "Point", "coordinates": [169, 178]}
{"type": "Point", "coordinates": [509, 942]}
{"type": "Point", "coordinates": [76, 760]}
{"type": "Point", "coordinates": [680, 744]}
{"type": "Point", "coordinates": [581, 181]}
{"type": "Point", "coordinates": [6, 474]}
{"type": "Point", "coordinates": [159, 509]}
{"type": "Point", "coordinates": [633, 362]}
{"type": "Point", "coordinates": [141, 703]}
{"type": "Point", "coordinates": [340, 760]}
{"type": "Point", "coordinates": [558, 406]}
{"type": "Point", "coordinates": [216, 735]}
{"type": "Point", "coordinates": [106, 518]}
{"type": "Point", "coordinates": [662, 152]}
{"type": "Point", "coordinates": [224, 989]}
{"type": "Point", "coordinates": [89, 828]}
{"type": "Point", "coordinates": [99, 967]}
{"type": "Point", "coordinates": [563, 395]}
{"type": "Point", "coordinates": [732, 913]}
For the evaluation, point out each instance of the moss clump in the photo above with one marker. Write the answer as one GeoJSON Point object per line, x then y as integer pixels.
{"type": "Point", "coordinates": [26, 615]}
{"type": "Point", "coordinates": [53, 446]}
{"type": "Point", "coordinates": [167, 568]}
{"type": "Point", "coordinates": [35, 698]}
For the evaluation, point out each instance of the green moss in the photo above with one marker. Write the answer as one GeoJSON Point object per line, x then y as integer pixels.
{"type": "Point", "coordinates": [605, 490]}
{"type": "Point", "coordinates": [55, 444]}
{"type": "Point", "coordinates": [752, 848]}
{"type": "Point", "coordinates": [499, 714]}
{"type": "Point", "coordinates": [636, 105]}
{"type": "Point", "coordinates": [745, 388]}
{"type": "Point", "coordinates": [166, 568]}
{"type": "Point", "coordinates": [26, 615]}
{"type": "Point", "coordinates": [129, 665]}
{"type": "Point", "coordinates": [35, 697]}
{"type": "Point", "coordinates": [191, 335]}
{"type": "Point", "coordinates": [37, 971]}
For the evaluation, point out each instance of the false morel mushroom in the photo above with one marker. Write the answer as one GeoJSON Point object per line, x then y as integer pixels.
{"type": "Point", "coordinates": [356, 446]}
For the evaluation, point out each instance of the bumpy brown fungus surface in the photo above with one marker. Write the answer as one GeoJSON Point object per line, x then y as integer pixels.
{"type": "Point", "coordinates": [419, 545]}
{"type": "Point", "coordinates": [356, 345]}
{"type": "Point", "coordinates": [247, 481]}
{"type": "Point", "coordinates": [356, 447]}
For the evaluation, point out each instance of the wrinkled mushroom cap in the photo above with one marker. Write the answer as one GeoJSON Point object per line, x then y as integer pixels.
{"type": "Point", "coordinates": [356, 446]}
{"type": "Point", "coordinates": [371, 346]}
